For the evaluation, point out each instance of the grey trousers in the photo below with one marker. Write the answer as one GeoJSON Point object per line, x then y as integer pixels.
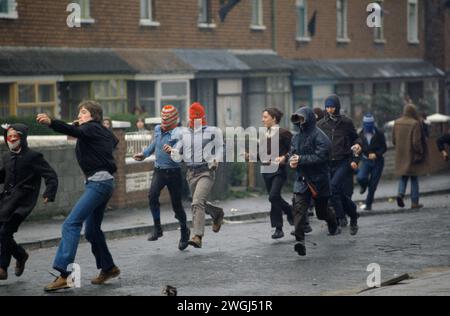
{"type": "Point", "coordinates": [200, 184]}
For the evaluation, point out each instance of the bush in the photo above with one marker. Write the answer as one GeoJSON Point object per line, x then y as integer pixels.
{"type": "Point", "coordinates": [34, 127]}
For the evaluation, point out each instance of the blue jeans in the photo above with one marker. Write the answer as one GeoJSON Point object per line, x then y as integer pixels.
{"type": "Point", "coordinates": [90, 209]}
{"type": "Point", "coordinates": [414, 188]}
{"type": "Point", "coordinates": [369, 175]}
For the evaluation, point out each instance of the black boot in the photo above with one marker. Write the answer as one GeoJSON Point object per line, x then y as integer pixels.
{"type": "Point", "coordinates": [278, 233]}
{"type": "Point", "coordinates": [157, 231]}
{"type": "Point", "coordinates": [400, 201]}
{"type": "Point", "coordinates": [300, 248]}
{"type": "Point", "coordinates": [185, 235]}
{"type": "Point", "coordinates": [333, 227]}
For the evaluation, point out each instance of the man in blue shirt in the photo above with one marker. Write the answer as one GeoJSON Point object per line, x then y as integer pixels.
{"type": "Point", "coordinates": [166, 173]}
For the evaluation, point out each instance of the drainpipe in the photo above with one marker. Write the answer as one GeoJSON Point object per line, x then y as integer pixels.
{"type": "Point", "coordinates": [274, 25]}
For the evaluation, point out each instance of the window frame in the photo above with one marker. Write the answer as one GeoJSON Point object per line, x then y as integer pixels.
{"type": "Point", "coordinates": [344, 23]}
{"type": "Point", "coordinates": [259, 25]}
{"type": "Point", "coordinates": [29, 105]}
{"type": "Point", "coordinates": [410, 36]}
{"type": "Point", "coordinates": [378, 32]}
{"type": "Point", "coordinates": [160, 97]}
{"type": "Point", "coordinates": [109, 97]}
{"type": "Point", "coordinates": [12, 12]}
{"type": "Point", "coordinates": [205, 22]}
{"type": "Point", "coordinates": [302, 37]}
{"type": "Point", "coordinates": [85, 6]}
{"type": "Point", "coordinates": [150, 16]}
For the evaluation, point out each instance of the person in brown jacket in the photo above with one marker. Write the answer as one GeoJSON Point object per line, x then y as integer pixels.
{"type": "Point", "coordinates": [410, 154]}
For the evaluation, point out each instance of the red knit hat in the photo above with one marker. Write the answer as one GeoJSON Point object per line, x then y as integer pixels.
{"type": "Point", "coordinates": [196, 111]}
{"type": "Point", "coordinates": [169, 117]}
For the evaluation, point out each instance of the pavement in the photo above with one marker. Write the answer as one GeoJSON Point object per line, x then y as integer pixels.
{"type": "Point", "coordinates": [243, 260]}
{"type": "Point", "coordinates": [134, 222]}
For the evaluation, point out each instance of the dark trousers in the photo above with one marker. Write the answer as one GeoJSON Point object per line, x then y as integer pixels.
{"type": "Point", "coordinates": [342, 189]}
{"type": "Point", "coordinates": [173, 180]}
{"type": "Point", "coordinates": [301, 203]}
{"type": "Point", "coordinates": [368, 177]}
{"type": "Point", "coordinates": [8, 246]}
{"type": "Point", "coordinates": [278, 206]}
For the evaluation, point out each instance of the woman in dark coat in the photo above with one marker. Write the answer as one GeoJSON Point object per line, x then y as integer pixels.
{"type": "Point", "coordinates": [21, 175]}
{"type": "Point", "coordinates": [275, 180]}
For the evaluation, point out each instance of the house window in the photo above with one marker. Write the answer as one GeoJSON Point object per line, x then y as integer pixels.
{"type": "Point", "coordinates": [413, 22]}
{"type": "Point", "coordinates": [34, 98]}
{"type": "Point", "coordinates": [4, 99]}
{"type": "Point", "coordinates": [111, 94]}
{"type": "Point", "coordinates": [148, 13]}
{"type": "Point", "coordinates": [279, 94]}
{"type": "Point", "coordinates": [256, 100]}
{"type": "Point", "coordinates": [381, 88]}
{"type": "Point", "coordinates": [205, 14]}
{"type": "Point", "coordinates": [257, 15]}
{"type": "Point", "coordinates": [146, 97]}
{"type": "Point", "coordinates": [85, 11]}
{"type": "Point", "coordinates": [175, 93]}
{"type": "Point", "coordinates": [341, 15]}
{"type": "Point", "coordinates": [8, 9]}
{"type": "Point", "coordinates": [378, 32]}
{"type": "Point", "coordinates": [302, 96]}
{"type": "Point", "coordinates": [302, 20]}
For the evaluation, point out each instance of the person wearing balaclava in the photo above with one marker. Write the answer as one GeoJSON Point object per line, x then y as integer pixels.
{"type": "Point", "coordinates": [372, 163]}
{"type": "Point", "coordinates": [309, 156]}
{"type": "Point", "coordinates": [344, 139]}
{"type": "Point", "coordinates": [166, 173]}
{"type": "Point", "coordinates": [21, 174]}
{"type": "Point", "coordinates": [201, 169]}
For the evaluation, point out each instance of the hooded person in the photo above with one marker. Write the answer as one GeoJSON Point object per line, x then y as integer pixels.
{"type": "Point", "coordinates": [344, 143]}
{"type": "Point", "coordinates": [309, 156]}
{"type": "Point", "coordinates": [166, 173]}
{"type": "Point", "coordinates": [372, 163]}
{"type": "Point", "coordinates": [410, 154]}
{"type": "Point", "coordinates": [21, 174]}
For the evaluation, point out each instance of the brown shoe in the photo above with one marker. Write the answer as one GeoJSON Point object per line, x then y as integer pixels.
{"type": "Point", "coordinates": [20, 265]}
{"type": "Point", "coordinates": [60, 283]}
{"type": "Point", "coordinates": [416, 206]}
{"type": "Point", "coordinates": [105, 276]}
{"type": "Point", "coordinates": [196, 241]}
{"type": "Point", "coordinates": [3, 274]}
{"type": "Point", "coordinates": [218, 216]}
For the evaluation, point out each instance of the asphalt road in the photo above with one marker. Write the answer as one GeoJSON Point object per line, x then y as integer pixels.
{"type": "Point", "coordinates": [243, 260]}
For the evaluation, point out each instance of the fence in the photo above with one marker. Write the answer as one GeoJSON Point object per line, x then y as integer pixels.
{"type": "Point", "coordinates": [137, 142]}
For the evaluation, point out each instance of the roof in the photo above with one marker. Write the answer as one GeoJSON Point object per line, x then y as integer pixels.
{"type": "Point", "coordinates": [354, 69]}
{"type": "Point", "coordinates": [265, 62]}
{"type": "Point", "coordinates": [154, 61]}
{"type": "Point", "coordinates": [23, 61]}
{"type": "Point", "coordinates": [209, 60]}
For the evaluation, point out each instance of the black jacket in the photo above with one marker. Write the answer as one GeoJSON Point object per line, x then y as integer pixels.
{"type": "Point", "coordinates": [21, 175]}
{"type": "Point", "coordinates": [313, 147]}
{"type": "Point", "coordinates": [95, 145]}
{"type": "Point", "coordinates": [377, 144]}
{"type": "Point", "coordinates": [342, 134]}
{"type": "Point", "coordinates": [441, 141]}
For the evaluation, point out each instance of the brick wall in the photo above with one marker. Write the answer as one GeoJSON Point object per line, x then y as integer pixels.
{"type": "Point", "coordinates": [43, 23]}
{"type": "Point", "coordinates": [323, 45]}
